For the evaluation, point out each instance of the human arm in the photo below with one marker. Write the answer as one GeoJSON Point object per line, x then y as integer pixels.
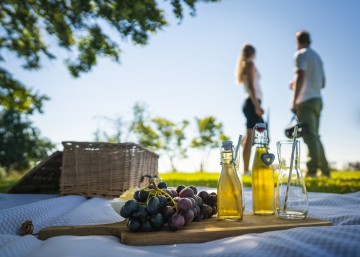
{"type": "Point", "coordinates": [297, 86]}
{"type": "Point", "coordinates": [250, 76]}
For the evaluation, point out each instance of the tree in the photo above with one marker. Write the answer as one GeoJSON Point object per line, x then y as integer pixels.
{"type": "Point", "coordinates": [141, 128]}
{"type": "Point", "coordinates": [157, 134]}
{"type": "Point", "coordinates": [79, 26]}
{"type": "Point", "coordinates": [20, 142]}
{"type": "Point", "coordinates": [14, 95]}
{"type": "Point", "coordinates": [29, 27]}
{"type": "Point", "coordinates": [172, 137]}
{"type": "Point", "coordinates": [119, 130]}
{"type": "Point", "coordinates": [210, 136]}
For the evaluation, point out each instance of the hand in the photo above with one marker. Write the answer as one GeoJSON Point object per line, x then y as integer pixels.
{"type": "Point", "coordinates": [294, 108]}
{"type": "Point", "coordinates": [292, 85]}
{"type": "Point", "coordinates": [259, 111]}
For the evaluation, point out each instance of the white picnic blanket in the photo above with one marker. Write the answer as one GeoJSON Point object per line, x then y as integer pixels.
{"type": "Point", "coordinates": [341, 239]}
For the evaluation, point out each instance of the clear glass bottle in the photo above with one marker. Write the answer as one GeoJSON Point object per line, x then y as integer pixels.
{"type": "Point", "coordinates": [230, 188]}
{"type": "Point", "coordinates": [263, 187]}
{"type": "Point", "coordinates": [291, 195]}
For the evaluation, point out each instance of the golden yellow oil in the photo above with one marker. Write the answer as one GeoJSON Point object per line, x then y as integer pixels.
{"type": "Point", "coordinates": [229, 192]}
{"type": "Point", "coordinates": [262, 185]}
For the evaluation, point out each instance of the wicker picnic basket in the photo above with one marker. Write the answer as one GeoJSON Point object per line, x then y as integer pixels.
{"type": "Point", "coordinates": [105, 169]}
{"type": "Point", "coordinates": [42, 179]}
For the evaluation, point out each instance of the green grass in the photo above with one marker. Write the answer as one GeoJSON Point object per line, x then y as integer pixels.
{"type": "Point", "coordinates": [340, 182]}
{"type": "Point", "coordinates": [7, 182]}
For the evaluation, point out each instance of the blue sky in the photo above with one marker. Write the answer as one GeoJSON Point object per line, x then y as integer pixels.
{"type": "Point", "coordinates": [187, 71]}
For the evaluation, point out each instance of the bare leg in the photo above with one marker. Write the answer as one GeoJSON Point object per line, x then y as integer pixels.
{"type": "Point", "coordinates": [247, 150]}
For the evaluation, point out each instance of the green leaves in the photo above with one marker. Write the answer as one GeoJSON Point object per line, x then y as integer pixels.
{"type": "Point", "coordinates": [20, 142]}
{"type": "Point", "coordinates": [210, 135]}
{"type": "Point", "coordinates": [77, 27]}
{"type": "Point", "coordinates": [166, 137]}
{"type": "Point", "coordinates": [94, 44]}
{"type": "Point", "coordinates": [15, 96]}
{"type": "Point", "coordinates": [85, 28]}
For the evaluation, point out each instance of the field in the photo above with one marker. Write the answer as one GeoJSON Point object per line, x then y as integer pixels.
{"type": "Point", "coordinates": [340, 182]}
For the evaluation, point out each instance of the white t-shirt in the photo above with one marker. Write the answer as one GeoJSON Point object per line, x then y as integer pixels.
{"type": "Point", "coordinates": [257, 88]}
{"type": "Point", "coordinates": [308, 60]}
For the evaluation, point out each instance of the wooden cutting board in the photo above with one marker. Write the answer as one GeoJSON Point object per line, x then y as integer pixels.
{"type": "Point", "coordinates": [195, 232]}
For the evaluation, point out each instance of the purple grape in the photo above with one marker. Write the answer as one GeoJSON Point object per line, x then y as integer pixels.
{"type": "Point", "coordinates": [143, 195]}
{"type": "Point", "coordinates": [212, 200]}
{"type": "Point", "coordinates": [194, 189]}
{"type": "Point", "coordinates": [168, 191]}
{"type": "Point", "coordinates": [136, 195]}
{"type": "Point", "coordinates": [173, 193]}
{"type": "Point", "coordinates": [199, 217]}
{"type": "Point", "coordinates": [184, 204]}
{"type": "Point", "coordinates": [198, 209]}
{"type": "Point", "coordinates": [129, 208]}
{"type": "Point", "coordinates": [168, 212]}
{"type": "Point", "coordinates": [171, 226]}
{"type": "Point", "coordinates": [195, 211]}
{"type": "Point", "coordinates": [186, 192]}
{"type": "Point", "coordinates": [176, 222]}
{"type": "Point", "coordinates": [198, 200]}
{"type": "Point", "coordinates": [153, 205]}
{"type": "Point", "coordinates": [206, 211]}
{"type": "Point", "coordinates": [179, 188]}
{"type": "Point", "coordinates": [176, 199]}
{"type": "Point", "coordinates": [146, 226]}
{"type": "Point", "coordinates": [204, 196]}
{"type": "Point", "coordinates": [162, 184]}
{"type": "Point", "coordinates": [188, 216]}
{"type": "Point", "coordinates": [141, 214]}
{"type": "Point", "coordinates": [193, 201]}
{"type": "Point", "coordinates": [157, 221]}
{"type": "Point", "coordinates": [214, 210]}
{"type": "Point", "coordinates": [134, 225]}
{"type": "Point", "coordinates": [162, 201]}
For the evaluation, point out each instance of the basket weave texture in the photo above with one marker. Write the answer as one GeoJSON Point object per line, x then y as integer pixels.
{"type": "Point", "coordinates": [105, 169]}
{"type": "Point", "coordinates": [42, 179]}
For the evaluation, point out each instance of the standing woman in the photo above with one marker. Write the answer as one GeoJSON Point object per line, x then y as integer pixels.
{"type": "Point", "coordinates": [247, 74]}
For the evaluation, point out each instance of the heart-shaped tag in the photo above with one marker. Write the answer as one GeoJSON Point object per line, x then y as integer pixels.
{"type": "Point", "coordinates": [267, 158]}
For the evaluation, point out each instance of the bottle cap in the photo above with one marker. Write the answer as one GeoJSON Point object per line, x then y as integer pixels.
{"type": "Point", "coordinates": [260, 126]}
{"type": "Point", "coordinates": [227, 145]}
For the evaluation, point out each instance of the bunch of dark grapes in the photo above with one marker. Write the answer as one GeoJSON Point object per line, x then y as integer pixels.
{"type": "Point", "coordinates": [157, 205]}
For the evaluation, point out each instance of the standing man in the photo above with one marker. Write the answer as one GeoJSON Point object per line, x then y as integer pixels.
{"type": "Point", "coordinates": [307, 102]}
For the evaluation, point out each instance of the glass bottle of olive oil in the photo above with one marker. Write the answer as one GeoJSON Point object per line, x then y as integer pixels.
{"type": "Point", "coordinates": [263, 187]}
{"type": "Point", "coordinates": [229, 189]}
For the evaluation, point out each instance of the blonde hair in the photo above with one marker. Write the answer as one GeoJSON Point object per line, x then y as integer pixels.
{"type": "Point", "coordinates": [246, 52]}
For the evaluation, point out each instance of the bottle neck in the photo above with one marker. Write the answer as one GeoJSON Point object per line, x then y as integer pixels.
{"type": "Point", "coordinates": [260, 138]}
{"type": "Point", "coordinates": [261, 145]}
{"type": "Point", "coordinates": [227, 158]}
{"type": "Point", "coordinates": [260, 134]}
